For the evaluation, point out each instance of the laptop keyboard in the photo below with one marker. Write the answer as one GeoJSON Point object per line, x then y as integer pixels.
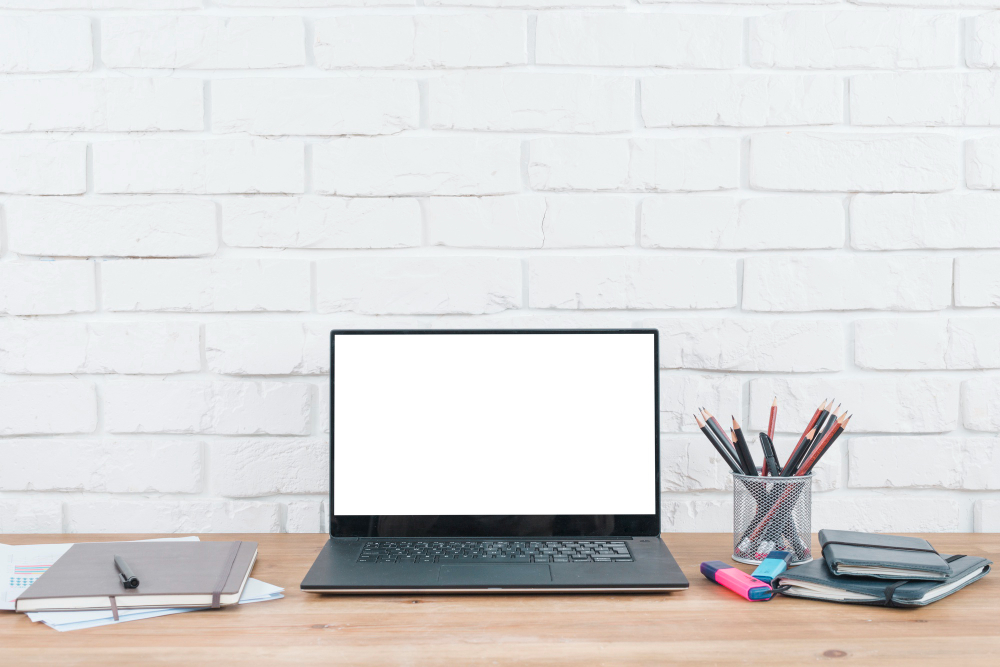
{"type": "Point", "coordinates": [494, 551]}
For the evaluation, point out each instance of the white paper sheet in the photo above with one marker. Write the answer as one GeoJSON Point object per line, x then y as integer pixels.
{"type": "Point", "coordinates": [64, 621]}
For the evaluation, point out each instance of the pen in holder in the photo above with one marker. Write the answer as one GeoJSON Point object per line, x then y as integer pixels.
{"type": "Point", "coordinates": [772, 513]}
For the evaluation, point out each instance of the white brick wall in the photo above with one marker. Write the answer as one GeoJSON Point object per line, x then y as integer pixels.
{"type": "Point", "coordinates": [803, 197]}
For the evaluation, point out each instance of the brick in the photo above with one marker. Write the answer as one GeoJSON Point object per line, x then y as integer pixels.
{"type": "Point", "coordinates": [637, 165]}
{"type": "Point", "coordinates": [304, 516]}
{"type": "Point", "coordinates": [853, 39]}
{"type": "Point", "coordinates": [977, 281]}
{"type": "Point", "coordinates": [239, 347]}
{"type": "Point", "coordinates": [42, 167]}
{"type": "Point", "coordinates": [352, 105]}
{"type": "Point", "coordinates": [930, 343]}
{"type": "Point", "coordinates": [981, 404]}
{"type": "Point", "coordinates": [853, 162]}
{"type": "Point", "coordinates": [40, 347]}
{"type": "Point", "coordinates": [115, 466]}
{"type": "Point", "coordinates": [912, 222]}
{"type": "Point", "coordinates": [879, 403]}
{"type": "Point", "coordinates": [925, 98]}
{"type": "Point", "coordinates": [321, 222]}
{"type": "Point", "coordinates": [202, 42]}
{"type": "Point", "coordinates": [47, 287]}
{"type": "Point", "coordinates": [982, 46]}
{"type": "Point", "coordinates": [422, 41]}
{"type": "Point", "coordinates": [172, 516]}
{"type": "Point", "coordinates": [527, 4]}
{"type": "Point", "coordinates": [323, 407]}
{"type": "Point", "coordinates": [959, 463]}
{"type": "Point", "coordinates": [101, 4]}
{"type": "Point", "coordinates": [696, 516]}
{"type": "Point", "coordinates": [982, 163]}
{"type": "Point", "coordinates": [283, 4]}
{"type": "Point", "coordinates": [37, 408]}
{"type": "Point", "coordinates": [531, 221]}
{"type": "Point", "coordinates": [789, 346]}
{"type": "Point", "coordinates": [140, 405]}
{"type": "Point", "coordinates": [111, 227]}
{"type": "Point", "coordinates": [899, 513]}
{"type": "Point", "coordinates": [986, 516]}
{"type": "Point", "coordinates": [846, 282]}
{"type": "Point", "coordinates": [529, 101]}
{"type": "Point", "coordinates": [45, 44]}
{"type": "Point", "coordinates": [102, 105]}
{"type": "Point", "coordinates": [217, 285]}
{"type": "Point", "coordinates": [599, 283]}
{"type": "Point", "coordinates": [449, 165]}
{"type": "Point", "coordinates": [714, 222]}
{"type": "Point", "coordinates": [680, 396]}
{"type": "Point", "coordinates": [695, 41]}
{"type": "Point", "coordinates": [263, 467]}
{"type": "Point", "coordinates": [690, 463]}
{"type": "Point", "coordinates": [741, 100]}
{"type": "Point", "coordinates": [418, 285]}
{"type": "Point", "coordinates": [199, 166]}
{"type": "Point", "coordinates": [30, 515]}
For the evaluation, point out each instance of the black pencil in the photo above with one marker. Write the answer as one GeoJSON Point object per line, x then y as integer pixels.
{"type": "Point", "coordinates": [719, 433]}
{"type": "Point", "coordinates": [723, 452]}
{"type": "Point", "coordinates": [743, 450]}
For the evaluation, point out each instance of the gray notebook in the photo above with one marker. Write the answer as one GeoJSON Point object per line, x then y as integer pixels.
{"type": "Point", "coordinates": [171, 574]}
{"type": "Point", "coordinates": [881, 556]}
{"type": "Point", "coordinates": [814, 580]}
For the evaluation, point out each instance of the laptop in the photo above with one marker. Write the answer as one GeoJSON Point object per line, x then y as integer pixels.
{"type": "Point", "coordinates": [481, 461]}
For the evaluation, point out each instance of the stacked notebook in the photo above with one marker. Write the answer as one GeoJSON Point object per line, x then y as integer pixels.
{"type": "Point", "coordinates": [170, 574]}
{"type": "Point", "coordinates": [886, 570]}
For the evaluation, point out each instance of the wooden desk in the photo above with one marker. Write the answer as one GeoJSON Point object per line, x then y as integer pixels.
{"type": "Point", "coordinates": [704, 625]}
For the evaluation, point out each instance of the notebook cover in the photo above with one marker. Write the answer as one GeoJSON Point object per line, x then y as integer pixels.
{"type": "Point", "coordinates": [163, 568]}
{"type": "Point", "coordinates": [883, 551]}
{"type": "Point", "coordinates": [904, 595]}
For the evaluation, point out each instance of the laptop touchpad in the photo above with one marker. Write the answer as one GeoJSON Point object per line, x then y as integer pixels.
{"type": "Point", "coordinates": [495, 574]}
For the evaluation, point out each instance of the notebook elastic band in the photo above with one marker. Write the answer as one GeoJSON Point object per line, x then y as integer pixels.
{"type": "Point", "coordinates": [114, 607]}
{"type": "Point", "coordinates": [932, 550]}
{"type": "Point", "coordinates": [890, 590]}
{"type": "Point", "coordinates": [952, 559]}
{"type": "Point", "coordinates": [224, 575]}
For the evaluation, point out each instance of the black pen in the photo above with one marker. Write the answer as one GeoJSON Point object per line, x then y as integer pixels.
{"type": "Point", "coordinates": [128, 578]}
{"type": "Point", "coordinates": [773, 467]}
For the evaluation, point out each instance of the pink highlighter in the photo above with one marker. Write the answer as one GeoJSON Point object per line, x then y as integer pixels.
{"type": "Point", "coordinates": [736, 580]}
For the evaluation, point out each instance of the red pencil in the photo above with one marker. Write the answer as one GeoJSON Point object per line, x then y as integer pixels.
{"type": "Point", "coordinates": [821, 446]}
{"type": "Point", "coordinates": [797, 452]}
{"type": "Point", "coordinates": [770, 431]}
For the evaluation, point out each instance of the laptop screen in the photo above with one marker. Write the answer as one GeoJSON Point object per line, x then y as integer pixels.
{"type": "Point", "coordinates": [493, 423]}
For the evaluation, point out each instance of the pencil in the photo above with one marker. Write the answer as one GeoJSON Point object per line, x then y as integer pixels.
{"type": "Point", "coordinates": [719, 433]}
{"type": "Point", "coordinates": [821, 447]}
{"type": "Point", "coordinates": [792, 465]}
{"type": "Point", "coordinates": [765, 468]}
{"type": "Point", "coordinates": [743, 450]}
{"type": "Point", "coordinates": [723, 452]}
{"type": "Point", "coordinates": [800, 448]}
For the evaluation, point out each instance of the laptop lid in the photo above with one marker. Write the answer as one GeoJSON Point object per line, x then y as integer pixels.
{"type": "Point", "coordinates": [494, 433]}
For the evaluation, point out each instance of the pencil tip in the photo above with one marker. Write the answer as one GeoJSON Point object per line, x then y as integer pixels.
{"type": "Point", "coordinates": [774, 403]}
{"type": "Point", "coordinates": [810, 434]}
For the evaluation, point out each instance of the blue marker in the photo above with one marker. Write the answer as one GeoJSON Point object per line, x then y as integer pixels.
{"type": "Point", "coordinates": [772, 566]}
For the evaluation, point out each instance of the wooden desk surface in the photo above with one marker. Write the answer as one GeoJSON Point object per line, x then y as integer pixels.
{"type": "Point", "coordinates": [704, 625]}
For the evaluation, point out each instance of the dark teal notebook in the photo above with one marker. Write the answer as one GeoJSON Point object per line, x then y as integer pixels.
{"type": "Point", "coordinates": [880, 556]}
{"type": "Point", "coordinates": [814, 580]}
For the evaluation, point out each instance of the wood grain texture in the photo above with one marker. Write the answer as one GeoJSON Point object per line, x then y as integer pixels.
{"type": "Point", "coordinates": [704, 625]}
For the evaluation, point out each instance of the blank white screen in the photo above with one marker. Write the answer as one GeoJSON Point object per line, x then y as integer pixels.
{"type": "Point", "coordinates": [510, 424]}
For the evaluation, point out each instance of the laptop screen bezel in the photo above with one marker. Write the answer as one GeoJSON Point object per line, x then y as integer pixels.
{"type": "Point", "coordinates": [622, 525]}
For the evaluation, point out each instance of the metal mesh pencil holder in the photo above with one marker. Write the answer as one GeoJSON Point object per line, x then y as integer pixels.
{"type": "Point", "coordinates": [772, 513]}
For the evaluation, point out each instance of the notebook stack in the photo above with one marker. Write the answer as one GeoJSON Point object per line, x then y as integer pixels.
{"type": "Point", "coordinates": [883, 570]}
